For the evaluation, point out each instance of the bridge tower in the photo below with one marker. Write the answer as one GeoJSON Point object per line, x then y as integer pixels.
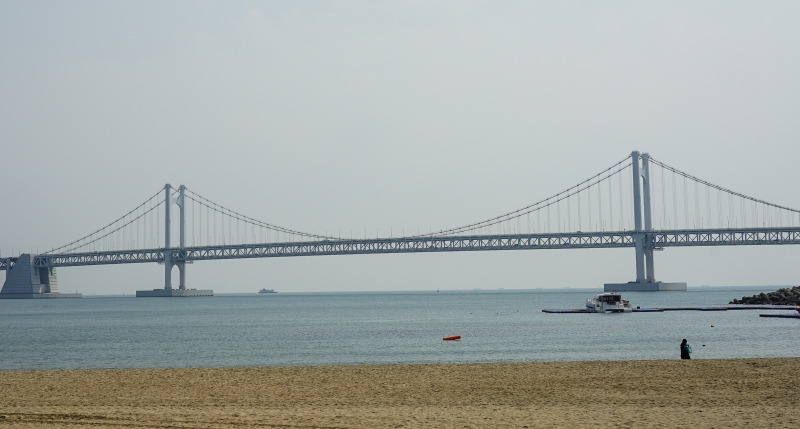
{"type": "Point", "coordinates": [642, 235]}
{"type": "Point", "coordinates": [170, 259]}
{"type": "Point", "coordinates": [648, 222]}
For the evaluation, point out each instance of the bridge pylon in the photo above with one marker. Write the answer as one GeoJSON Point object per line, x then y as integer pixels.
{"type": "Point", "coordinates": [169, 255]}
{"type": "Point", "coordinates": [643, 234]}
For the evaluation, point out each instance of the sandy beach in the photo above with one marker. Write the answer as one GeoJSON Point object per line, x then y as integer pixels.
{"type": "Point", "coordinates": [746, 393]}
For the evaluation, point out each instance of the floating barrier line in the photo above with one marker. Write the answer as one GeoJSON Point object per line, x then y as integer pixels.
{"type": "Point", "coordinates": [784, 315]}
{"type": "Point", "coordinates": [706, 308]}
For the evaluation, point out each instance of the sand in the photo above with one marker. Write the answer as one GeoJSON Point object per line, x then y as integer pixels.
{"type": "Point", "coordinates": [737, 393]}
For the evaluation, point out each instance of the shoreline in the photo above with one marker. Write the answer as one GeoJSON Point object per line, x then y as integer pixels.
{"type": "Point", "coordinates": [760, 392]}
{"type": "Point", "coordinates": [381, 365]}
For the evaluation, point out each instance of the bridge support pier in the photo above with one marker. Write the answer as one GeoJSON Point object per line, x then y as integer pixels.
{"type": "Point", "coordinates": [649, 266]}
{"type": "Point", "coordinates": [182, 290]}
{"type": "Point", "coordinates": [25, 280]}
{"type": "Point", "coordinates": [645, 264]}
{"type": "Point", "coordinates": [182, 275]}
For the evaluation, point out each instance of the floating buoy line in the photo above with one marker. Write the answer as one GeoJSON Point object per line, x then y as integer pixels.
{"type": "Point", "coordinates": [660, 309]}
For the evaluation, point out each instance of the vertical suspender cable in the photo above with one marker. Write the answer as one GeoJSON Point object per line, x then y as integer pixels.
{"type": "Point", "coordinates": [558, 213]}
{"type": "Point", "coordinates": [730, 208]}
{"type": "Point", "coordinates": [708, 205]}
{"type": "Point", "coordinates": [580, 227]}
{"type": "Point", "coordinates": [663, 199]}
{"type": "Point", "coordinates": [600, 205]}
{"type": "Point", "coordinates": [696, 205]}
{"type": "Point", "coordinates": [742, 212]}
{"type": "Point", "coordinates": [610, 207]}
{"type": "Point", "coordinates": [589, 200]}
{"type": "Point", "coordinates": [674, 201]}
{"type": "Point", "coordinates": [537, 224]}
{"type": "Point", "coordinates": [685, 205]}
{"type": "Point", "coordinates": [621, 199]}
{"type": "Point", "coordinates": [630, 194]}
{"type": "Point", "coordinates": [569, 214]}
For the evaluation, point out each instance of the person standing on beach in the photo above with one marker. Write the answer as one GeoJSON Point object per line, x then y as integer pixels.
{"type": "Point", "coordinates": [685, 350]}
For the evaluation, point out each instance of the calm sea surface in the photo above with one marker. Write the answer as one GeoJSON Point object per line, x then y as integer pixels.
{"type": "Point", "coordinates": [377, 328]}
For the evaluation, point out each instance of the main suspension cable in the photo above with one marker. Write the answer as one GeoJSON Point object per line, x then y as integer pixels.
{"type": "Point", "coordinates": [103, 228]}
{"type": "Point", "coordinates": [539, 204]}
{"type": "Point", "coordinates": [234, 214]}
{"type": "Point", "coordinates": [720, 188]}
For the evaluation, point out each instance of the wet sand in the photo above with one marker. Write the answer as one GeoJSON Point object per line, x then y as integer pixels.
{"type": "Point", "coordinates": [736, 393]}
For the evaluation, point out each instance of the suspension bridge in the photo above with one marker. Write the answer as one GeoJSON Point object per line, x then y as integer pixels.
{"type": "Point", "coordinates": [639, 202]}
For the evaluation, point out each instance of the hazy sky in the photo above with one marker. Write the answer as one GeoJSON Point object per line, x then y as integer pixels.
{"type": "Point", "coordinates": [349, 115]}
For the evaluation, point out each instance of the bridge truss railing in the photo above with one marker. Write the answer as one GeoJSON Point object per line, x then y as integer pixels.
{"type": "Point", "coordinates": [599, 240]}
{"type": "Point", "coordinates": [723, 237]}
{"type": "Point", "coordinates": [346, 247]}
{"type": "Point", "coordinates": [100, 258]}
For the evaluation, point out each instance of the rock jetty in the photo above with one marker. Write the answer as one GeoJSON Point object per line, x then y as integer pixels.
{"type": "Point", "coordinates": [784, 296]}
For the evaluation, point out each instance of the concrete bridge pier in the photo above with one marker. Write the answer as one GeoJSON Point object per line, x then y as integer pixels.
{"type": "Point", "coordinates": [182, 290]}
{"type": "Point", "coordinates": [24, 280]}
{"type": "Point", "coordinates": [181, 275]}
{"type": "Point", "coordinates": [645, 264]}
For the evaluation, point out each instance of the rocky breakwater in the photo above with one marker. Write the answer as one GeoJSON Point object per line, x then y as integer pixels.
{"type": "Point", "coordinates": [784, 296]}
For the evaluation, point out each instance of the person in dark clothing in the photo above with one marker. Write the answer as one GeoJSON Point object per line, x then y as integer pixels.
{"type": "Point", "coordinates": [685, 350]}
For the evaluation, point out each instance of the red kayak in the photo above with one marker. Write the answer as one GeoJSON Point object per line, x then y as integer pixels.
{"type": "Point", "coordinates": [453, 338]}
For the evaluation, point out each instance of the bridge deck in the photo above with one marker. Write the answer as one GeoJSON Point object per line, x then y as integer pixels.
{"type": "Point", "coordinates": [576, 240]}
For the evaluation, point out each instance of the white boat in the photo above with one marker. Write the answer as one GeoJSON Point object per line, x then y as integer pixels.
{"type": "Point", "coordinates": [608, 303]}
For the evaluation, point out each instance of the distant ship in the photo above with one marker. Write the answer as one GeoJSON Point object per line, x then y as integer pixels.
{"type": "Point", "coordinates": [267, 291]}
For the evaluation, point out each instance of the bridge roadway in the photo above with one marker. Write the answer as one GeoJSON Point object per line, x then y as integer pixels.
{"type": "Point", "coordinates": [577, 240]}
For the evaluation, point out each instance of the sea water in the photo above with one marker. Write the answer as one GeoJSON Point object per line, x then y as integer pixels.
{"type": "Point", "coordinates": [378, 328]}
